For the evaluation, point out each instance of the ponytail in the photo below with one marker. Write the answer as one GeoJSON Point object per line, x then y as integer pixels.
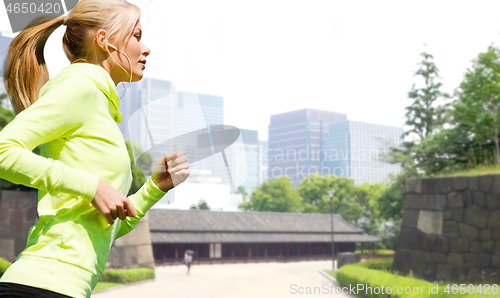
{"type": "Point", "coordinates": [25, 71]}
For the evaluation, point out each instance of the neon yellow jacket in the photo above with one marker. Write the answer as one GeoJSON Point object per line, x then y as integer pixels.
{"type": "Point", "coordinates": [75, 118]}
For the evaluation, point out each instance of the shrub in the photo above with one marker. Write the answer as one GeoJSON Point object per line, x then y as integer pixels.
{"type": "Point", "coordinates": [378, 264]}
{"type": "Point", "coordinates": [125, 276]}
{"type": "Point", "coordinates": [356, 275]}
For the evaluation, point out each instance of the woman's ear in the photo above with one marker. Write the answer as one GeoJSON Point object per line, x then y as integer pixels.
{"type": "Point", "coordinates": [100, 38]}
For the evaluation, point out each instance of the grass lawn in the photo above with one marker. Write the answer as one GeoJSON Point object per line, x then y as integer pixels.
{"type": "Point", "coordinates": [332, 273]}
{"type": "Point", "coordinates": [479, 170]}
{"type": "Point", "coordinates": [101, 285]}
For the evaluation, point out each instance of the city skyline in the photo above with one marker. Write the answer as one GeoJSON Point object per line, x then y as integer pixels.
{"type": "Point", "coordinates": [357, 58]}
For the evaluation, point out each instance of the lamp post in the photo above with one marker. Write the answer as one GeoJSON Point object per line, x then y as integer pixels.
{"type": "Point", "coordinates": [331, 193]}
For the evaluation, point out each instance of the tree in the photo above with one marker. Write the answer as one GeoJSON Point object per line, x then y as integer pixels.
{"type": "Point", "coordinates": [202, 205]}
{"type": "Point", "coordinates": [275, 195]}
{"type": "Point", "coordinates": [367, 196]}
{"type": "Point", "coordinates": [425, 117]}
{"type": "Point", "coordinates": [475, 114]}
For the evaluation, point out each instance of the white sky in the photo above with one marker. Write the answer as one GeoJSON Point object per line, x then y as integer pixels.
{"type": "Point", "coordinates": [268, 57]}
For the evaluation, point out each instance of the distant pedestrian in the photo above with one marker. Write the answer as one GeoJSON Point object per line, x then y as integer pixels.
{"type": "Point", "coordinates": [188, 259]}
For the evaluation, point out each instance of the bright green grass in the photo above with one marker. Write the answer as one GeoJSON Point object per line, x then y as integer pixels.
{"type": "Point", "coordinates": [477, 171]}
{"type": "Point", "coordinates": [101, 285]}
{"type": "Point", "coordinates": [377, 251]}
{"type": "Point", "coordinates": [332, 273]}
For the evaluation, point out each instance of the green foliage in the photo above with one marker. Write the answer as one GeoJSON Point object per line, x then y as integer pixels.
{"type": "Point", "coordinates": [4, 264]}
{"type": "Point", "coordinates": [378, 264]}
{"type": "Point", "coordinates": [357, 274]}
{"type": "Point", "coordinates": [367, 196]}
{"type": "Point", "coordinates": [138, 176]}
{"type": "Point", "coordinates": [124, 276]}
{"type": "Point", "coordinates": [202, 205]}
{"type": "Point", "coordinates": [275, 195]}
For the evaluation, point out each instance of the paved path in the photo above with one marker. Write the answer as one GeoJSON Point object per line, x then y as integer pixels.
{"type": "Point", "coordinates": [251, 280]}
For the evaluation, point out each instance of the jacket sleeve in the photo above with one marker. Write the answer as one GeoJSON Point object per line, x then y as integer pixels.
{"type": "Point", "coordinates": [142, 200]}
{"type": "Point", "coordinates": [60, 111]}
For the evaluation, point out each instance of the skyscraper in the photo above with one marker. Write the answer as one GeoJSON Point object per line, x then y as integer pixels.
{"type": "Point", "coordinates": [148, 102]}
{"type": "Point", "coordinates": [297, 143]}
{"type": "Point", "coordinates": [4, 45]}
{"type": "Point", "coordinates": [357, 150]}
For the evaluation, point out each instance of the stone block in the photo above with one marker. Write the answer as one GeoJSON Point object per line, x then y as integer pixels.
{"type": "Point", "coordinates": [450, 229]}
{"type": "Point", "coordinates": [488, 246]}
{"type": "Point", "coordinates": [485, 234]}
{"type": "Point", "coordinates": [4, 232]}
{"type": "Point", "coordinates": [4, 216]}
{"type": "Point", "coordinates": [407, 238]}
{"type": "Point", "coordinates": [410, 218]}
{"type": "Point", "coordinates": [7, 247]}
{"type": "Point", "coordinates": [486, 182]}
{"type": "Point", "coordinates": [437, 185]}
{"type": "Point", "coordinates": [430, 222]}
{"type": "Point", "coordinates": [495, 234]}
{"type": "Point", "coordinates": [467, 198]}
{"type": "Point", "coordinates": [414, 201]}
{"type": "Point", "coordinates": [460, 183]}
{"type": "Point", "coordinates": [138, 236]}
{"type": "Point", "coordinates": [418, 261]}
{"type": "Point", "coordinates": [16, 217]}
{"type": "Point", "coordinates": [459, 273]}
{"type": "Point", "coordinates": [479, 198]}
{"type": "Point", "coordinates": [495, 261]}
{"type": "Point", "coordinates": [474, 183]}
{"type": "Point", "coordinates": [483, 260]}
{"type": "Point", "coordinates": [494, 221]}
{"type": "Point", "coordinates": [402, 260]}
{"type": "Point", "coordinates": [458, 215]}
{"type": "Point", "coordinates": [455, 259]}
{"type": "Point", "coordinates": [476, 216]}
{"type": "Point", "coordinates": [460, 245]}
{"type": "Point", "coordinates": [455, 200]}
{"type": "Point", "coordinates": [438, 257]}
{"type": "Point", "coordinates": [496, 185]}
{"type": "Point", "coordinates": [443, 271]}
{"type": "Point", "coordinates": [345, 258]}
{"type": "Point", "coordinates": [442, 245]}
{"type": "Point", "coordinates": [470, 260]}
{"type": "Point", "coordinates": [436, 202]}
{"type": "Point", "coordinates": [429, 270]}
{"type": "Point", "coordinates": [473, 274]}
{"type": "Point", "coordinates": [30, 216]}
{"type": "Point", "coordinates": [426, 242]}
{"type": "Point", "coordinates": [468, 232]}
{"type": "Point", "coordinates": [19, 246]}
{"type": "Point", "coordinates": [448, 214]}
{"type": "Point", "coordinates": [413, 185]}
{"type": "Point", "coordinates": [145, 256]}
{"type": "Point", "coordinates": [493, 201]}
{"type": "Point", "coordinates": [476, 247]}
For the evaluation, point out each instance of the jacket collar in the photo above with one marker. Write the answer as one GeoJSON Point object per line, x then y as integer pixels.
{"type": "Point", "coordinates": [103, 81]}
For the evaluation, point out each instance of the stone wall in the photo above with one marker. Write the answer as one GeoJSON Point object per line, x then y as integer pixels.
{"type": "Point", "coordinates": [451, 229]}
{"type": "Point", "coordinates": [18, 213]}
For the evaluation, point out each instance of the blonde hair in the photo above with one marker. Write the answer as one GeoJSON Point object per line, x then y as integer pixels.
{"type": "Point", "coordinates": [25, 71]}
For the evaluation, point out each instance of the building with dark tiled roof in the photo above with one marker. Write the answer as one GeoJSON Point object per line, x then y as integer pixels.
{"type": "Point", "coordinates": [233, 235]}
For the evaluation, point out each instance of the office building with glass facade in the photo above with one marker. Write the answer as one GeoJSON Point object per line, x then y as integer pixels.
{"type": "Point", "coordinates": [359, 150]}
{"type": "Point", "coordinates": [297, 143]}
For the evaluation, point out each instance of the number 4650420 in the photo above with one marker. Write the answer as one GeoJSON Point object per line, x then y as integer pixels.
{"type": "Point", "coordinates": [26, 8]}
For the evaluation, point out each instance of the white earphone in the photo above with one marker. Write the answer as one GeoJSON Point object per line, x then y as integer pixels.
{"type": "Point", "coordinates": [113, 47]}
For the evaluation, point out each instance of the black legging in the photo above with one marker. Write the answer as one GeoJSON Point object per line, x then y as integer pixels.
{"type": "Point", "coordinates": [13, 290]}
